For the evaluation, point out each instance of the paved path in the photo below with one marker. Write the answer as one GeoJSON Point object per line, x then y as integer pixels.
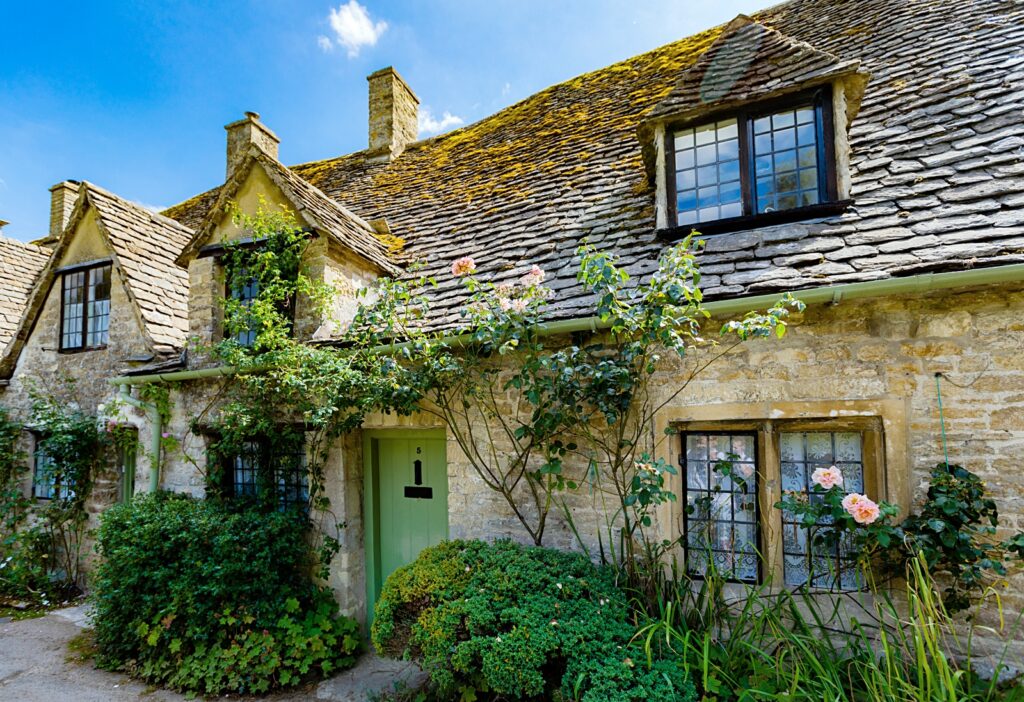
{"type": "Point", "coordinates": [36, 666]}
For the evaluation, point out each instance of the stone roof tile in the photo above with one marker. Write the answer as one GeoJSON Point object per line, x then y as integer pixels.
{"type": "Point", "coordinates": [21, 264]}
{"type": "Point", "coordinates": [146, 246]}
{"type": "Point", "coordinates": [531, 182]}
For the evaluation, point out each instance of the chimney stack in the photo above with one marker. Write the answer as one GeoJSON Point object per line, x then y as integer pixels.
{"type": "Point", "coordinates": [246, 131]}
{"type": "Point", "coordinates": [394, 113]}
{"type": "Point", "coordinates": [63, 197]}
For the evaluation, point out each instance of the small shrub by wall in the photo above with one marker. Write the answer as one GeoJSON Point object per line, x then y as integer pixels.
{"type": "Point", "coordinates": [209, 598]}
{"type": "Point", "coordinates": [519, 622]}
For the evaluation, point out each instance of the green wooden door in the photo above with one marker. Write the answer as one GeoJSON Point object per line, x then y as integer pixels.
{"type": "Point", "coordinates": [409, 488]}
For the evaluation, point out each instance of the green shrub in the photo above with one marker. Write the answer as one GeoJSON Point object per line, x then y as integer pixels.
{"type": "Point", "coordinates": [201, 597]}
{"type": "Point", "coordinates": [519, 622]}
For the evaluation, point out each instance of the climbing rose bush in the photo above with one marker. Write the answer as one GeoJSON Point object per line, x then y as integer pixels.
{"type": "Point", "coordinates": [833, 516]}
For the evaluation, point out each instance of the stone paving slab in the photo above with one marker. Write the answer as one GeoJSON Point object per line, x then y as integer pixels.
{"type": "Point", "coordinates": [35, 667]}
{"type": "Point", "coordinates": [371, 676]}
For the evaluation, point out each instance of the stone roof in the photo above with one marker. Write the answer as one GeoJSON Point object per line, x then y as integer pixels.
{"type": "Point", "coordinates": [749, 61]}
{"type": "Point", "coordinates": [21, 263]}
{"type": "Point", "coordinates": [320, 212]}
{"type": "Point", "coordinates": [936, 170]}
{"type": "Point", "coordinates": [143, 247]}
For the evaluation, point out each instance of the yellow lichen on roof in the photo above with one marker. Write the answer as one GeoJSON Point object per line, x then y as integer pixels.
{"type": "Point", "coordinates": [537, 138]}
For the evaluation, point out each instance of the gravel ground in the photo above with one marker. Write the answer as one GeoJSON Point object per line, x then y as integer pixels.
{"type": "Point", "coordinates": [36, 666]}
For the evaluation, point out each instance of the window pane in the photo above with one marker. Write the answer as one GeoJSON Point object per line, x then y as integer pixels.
{"type": "Point", "coordinates": [686, 180]}
{"type": "Point", "coordinates": [98, 306]}
{"type": "Point", "coordinates": [786, 160]}
{"type": "Point", "coordinates": [246, 294]}
{"type": "Point", "coordinates": [729, 170]}
{"type": "Point", "coordinates": [720, 516]}
{"type": "Point", "coordinates": [714, 149]}
{"type": "Point", "coordinates": [806, 559]}
{"type": "Point", "coordinates": [43, 478]}
{"type": "Point", "coordinates": [73, 310]}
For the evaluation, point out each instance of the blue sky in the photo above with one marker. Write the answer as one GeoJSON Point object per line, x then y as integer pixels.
{"type": "Point", "coordinates": [133, 95]}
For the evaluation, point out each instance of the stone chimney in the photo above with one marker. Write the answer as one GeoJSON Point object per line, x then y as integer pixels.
{"type": "Point", "coordinates": [246, 131]}
{"type": "Point", "coordinates": [63, 197]}
{"type": "Point", "coordinates": [394, 113]}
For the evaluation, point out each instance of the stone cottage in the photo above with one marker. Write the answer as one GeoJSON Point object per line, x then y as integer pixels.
{"type": "Point", "coordinates": [866, 155]}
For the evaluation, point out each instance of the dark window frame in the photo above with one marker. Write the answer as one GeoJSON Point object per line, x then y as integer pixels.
{"type": "Point", "coordinates": [87, 271]}
{"type": "Point", "coordinates": [229, 293]}
{"type": "Point", "coordinates": [828, 183]}
{"type": "Point", "coordinates": [265, 475]}
{"type": "Point", "coordinates": [54, 486]}
{"type": "Point", "coordinates": [683, 461]}
{"type": "Point", "coordinates": [845, 560]}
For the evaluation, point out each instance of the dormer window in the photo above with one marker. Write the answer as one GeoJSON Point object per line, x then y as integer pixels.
{"type": "Point", "coordinates": [85, 307]}
{"type": "Point", "coordinates": [771, 161]}
{"type": "Point", "coordinates": [245, 294]}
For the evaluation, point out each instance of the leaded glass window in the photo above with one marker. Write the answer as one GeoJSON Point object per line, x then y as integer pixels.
{"type": "Point", "coordinates": [245, 294]}
{"type": "Point", "coordinates": [758, 161]}
{"type": "Point", "coordinates": [708, 172]}
{"type": "Point", "coordinates": [48, 481]}
{"type": "Point", "coordinates": [720, 514]}
{"type": "Point", "coordinates": [98, 307]}
{"type": "Point", "coordinates": [85, 308]}
{"type": "Point", "coordinates": [786, 160]}
{"type": "Point", "coordinates": [271, 469]}
{"type": "Point", "coordinates": [805, 560]}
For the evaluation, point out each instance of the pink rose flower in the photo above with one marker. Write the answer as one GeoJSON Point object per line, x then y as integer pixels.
{"type": "Point", "coordinates": [863, 510]}
{"type": "Point", "coordinates": [851, 500]}
{"type": "Point", "coordinates": [505, 304]}
{"type": "Point", "coordinates": [534, 277]}
{"type": "Point", "coordinates": [519, 306]}
{"type": "Point", "coordinates": [463, 266]}
{"type": "Point", "coordinates": [827, 478]}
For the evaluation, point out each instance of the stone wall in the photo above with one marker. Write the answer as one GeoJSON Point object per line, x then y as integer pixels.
{"type": "Point", "coordinates": [875, 357]}
{"type": "Point", "coordinates": [80, 377]}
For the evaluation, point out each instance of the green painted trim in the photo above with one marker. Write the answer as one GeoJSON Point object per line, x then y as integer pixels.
{"type": "Point", "coordinates": [371, 514]}
{"type": "Point", "coordinates": [826, 294]}
{"type": "Point", "coordinates": [156, 426]}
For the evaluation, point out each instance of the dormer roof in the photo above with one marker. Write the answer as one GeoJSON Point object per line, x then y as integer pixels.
{"type": "Point", "coordinates": [749, 62]}
{"type": "Point", "coordinates": [322, 214]}
{"type": "Point", "coordinates": [143, 246]}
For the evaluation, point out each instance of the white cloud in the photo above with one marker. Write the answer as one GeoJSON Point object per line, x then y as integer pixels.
{"type": "Point", "coordinates": [155, 209]}
{"type": "Point", "coordinates": [506, 89]}
{"type": "Point", "coordinates": [429, 124]}
{"type": "Point", "coordinates": [352, 28]}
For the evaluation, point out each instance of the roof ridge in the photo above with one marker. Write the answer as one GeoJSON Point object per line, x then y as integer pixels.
{"type": "Point", "coordinates": [749, 60]}
{"type": "Point", "coordinates": [155, 216]}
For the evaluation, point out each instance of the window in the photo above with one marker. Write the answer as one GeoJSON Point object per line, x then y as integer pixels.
{"type": "Point", "coordinates": [801, 454]}
{"type": "Point", "coordinates": [245, 294]}
{"type": "Point", "coordinates": [85, 308]}
{"type": "Point", "coordinates": [731, 477]}
{"type": "Point", "coordinates": [756, 162]}
{"type": "Point", "coordinates": [48, 481]}
{"type": "Point", "coordinates": [721, 504]}
{"type": "Point", "coordinates": [271, 469]}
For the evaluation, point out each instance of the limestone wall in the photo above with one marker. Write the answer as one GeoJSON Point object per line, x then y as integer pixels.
{"type": "Point", "coordinates": [865, 358]}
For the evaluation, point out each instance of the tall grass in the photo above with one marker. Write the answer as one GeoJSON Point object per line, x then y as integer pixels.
{"type": "Point", "coordinates": [747, 643]}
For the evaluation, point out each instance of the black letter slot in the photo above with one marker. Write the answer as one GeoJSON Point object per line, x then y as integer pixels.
{"type": "Point", "coordinates": [418, 491]}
